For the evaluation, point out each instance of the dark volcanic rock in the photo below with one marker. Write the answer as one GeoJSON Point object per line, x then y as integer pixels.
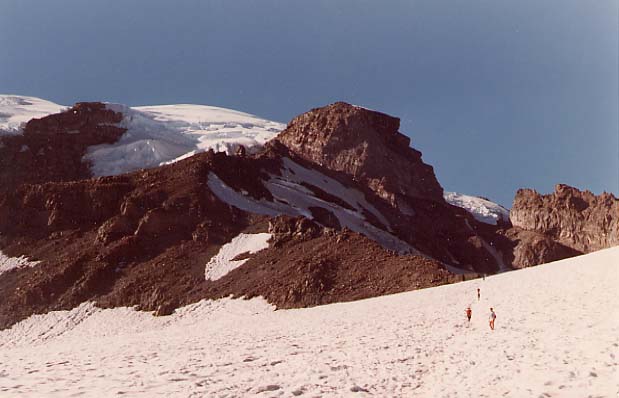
{"type": "Point", "coordinates": [52, 148]}
{"type": "Point", "coordinates": [576, 219]}
{"type": "Point", "coordinates": [366, 145]}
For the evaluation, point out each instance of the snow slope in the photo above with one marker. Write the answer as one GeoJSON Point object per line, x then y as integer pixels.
{"type": "Point", "coordinates": [157, 135]}
{"type": "Point", "coordinates": [223, 262]}
{"type": "Point", "coordinates": [483, 210]}
{"type": "Point", "coordinates": [556, 335]}
{"type": "Point", "coordinates": [16, 110]}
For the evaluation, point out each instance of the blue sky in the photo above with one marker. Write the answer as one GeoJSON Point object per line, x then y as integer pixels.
{"type": "Point", "coordinates": [497, 95]}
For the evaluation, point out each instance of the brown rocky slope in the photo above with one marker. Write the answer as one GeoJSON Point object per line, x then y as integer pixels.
{"type": "Point", "coordinates": [144, 238]}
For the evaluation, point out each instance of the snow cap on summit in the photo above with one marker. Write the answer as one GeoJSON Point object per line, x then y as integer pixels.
{"type": "Point", "coordinates": [16, 110]}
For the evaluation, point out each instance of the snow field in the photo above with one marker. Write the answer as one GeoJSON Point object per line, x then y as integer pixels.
{"type": "Point", "coordinates": [556, 335]}
{"type": "Point", "coordinates": [222, 262]}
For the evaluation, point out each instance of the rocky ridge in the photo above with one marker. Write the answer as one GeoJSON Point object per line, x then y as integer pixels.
{"type": "Point", "coordinates": [367, 146]}
{"type": "Point", "coordinates": [574, 218]}
{"type": "Point", "coordinates": [562, 224]}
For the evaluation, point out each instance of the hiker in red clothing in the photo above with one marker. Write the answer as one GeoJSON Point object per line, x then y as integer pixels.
{"type": "Point", "coordinates": [491, 318]}
{"type": "Point", "coordinates": [469, 312]}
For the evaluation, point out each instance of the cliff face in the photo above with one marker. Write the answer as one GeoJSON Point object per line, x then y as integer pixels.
{"type": "Point", "coordinates": [576, 219]}
{"type": "Point", "coordinates": [367, 146]}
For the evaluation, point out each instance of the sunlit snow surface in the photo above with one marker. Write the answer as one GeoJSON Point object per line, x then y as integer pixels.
{"type": "Point", "coordinates": [483, 210]}
{"type": "Point", "coordinates": [556, 335]}
{"type": "Point", "coordinates": [16, 110]}
{"type": "Point", "coordinates": [157, 135]}
{"type": "Point", "coordinates": [8, 263]}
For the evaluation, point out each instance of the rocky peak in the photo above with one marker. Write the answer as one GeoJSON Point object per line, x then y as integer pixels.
{"type": "Point", "coordinates": [83, 115]}
{"type": "Point", "coordinates": [577, 219]}
{"type": "Point", "coordinates": [366, 145]}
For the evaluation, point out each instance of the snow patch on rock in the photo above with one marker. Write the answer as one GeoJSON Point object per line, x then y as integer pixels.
{"type": "Point", "coordinates": [293, 198]}
{"type": "Point", "coordinates": [298, 175]}
{"type": "Point", "coordinates": [8, 263]}
{"type": "Point", "coordinates": [245, 202]}
{"type": "Point", "coordinates": [223, 262]}
{"type": "Point", "coordinates": [483, 210]}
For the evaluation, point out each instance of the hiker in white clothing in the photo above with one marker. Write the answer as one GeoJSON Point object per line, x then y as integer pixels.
{"type": "Point", "coordinates": [491, 318]}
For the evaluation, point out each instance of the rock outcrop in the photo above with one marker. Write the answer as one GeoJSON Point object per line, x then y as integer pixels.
{"type": "Point", "coordinates": [574, 218]}
{"type": "Point", "coordinates": [367, 146]}
{"type": "Point", "coordinates": [341, 265]}
{"type": "Point", "coordinates": [364, 148]}
{"type": "Point", "coordinates": [52, 148]}
{"type": "Point", "coordinates": [562, 224]}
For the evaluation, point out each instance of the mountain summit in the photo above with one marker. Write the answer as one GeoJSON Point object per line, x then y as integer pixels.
{"type": "Point", "coordinates": [366, 145]}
